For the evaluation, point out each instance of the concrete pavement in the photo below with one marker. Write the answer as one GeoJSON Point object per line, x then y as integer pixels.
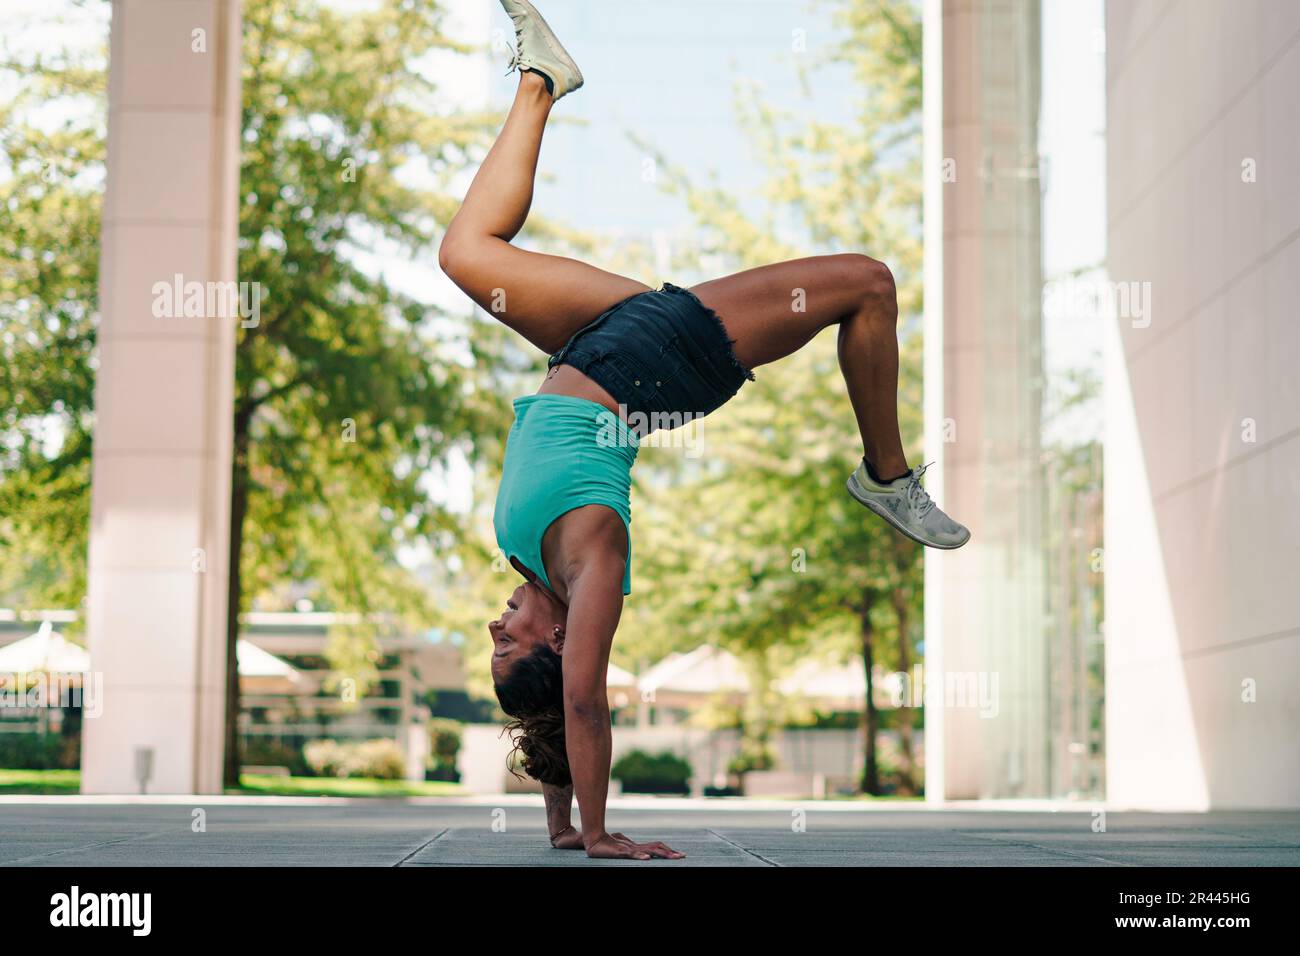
{"type": "Point", "coordinates": [208, 831]}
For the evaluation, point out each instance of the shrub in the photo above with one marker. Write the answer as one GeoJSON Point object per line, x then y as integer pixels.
{"type": "Point", "coordinates": [444, 742]}
{"type": "Point", "coordinates": [32, 751]}
{"type": "Point", "coordinates": [69, 756]}
{"type": "Point", "coordinates": [444, 745]}
{"type": "Point", "coordinates": [751, 758]}
{"type": "Point", "coordinates": [325, 757]}
{"type": "Point", "coordinates": [263, 752]}
{"type": "Point", "coordinates": [640, 772]}
{"type": "Point", "coordinates": [379, 759]}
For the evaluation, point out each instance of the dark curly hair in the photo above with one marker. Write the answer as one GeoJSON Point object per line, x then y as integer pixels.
{"type": "Point", "coordinates": [533, 694]}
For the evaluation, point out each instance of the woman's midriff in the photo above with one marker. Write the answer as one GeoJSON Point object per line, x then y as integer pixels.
{"type": "Point", "coordinates": [567, 380]}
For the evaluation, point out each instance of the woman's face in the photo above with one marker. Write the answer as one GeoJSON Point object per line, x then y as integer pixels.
{"type": "Point", "coordinates": [531, 618]}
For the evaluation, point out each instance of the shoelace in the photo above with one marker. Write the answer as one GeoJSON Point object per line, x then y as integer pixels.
{"type": "Point", "coordinates": [918, 499]}
{"type": "Point", "coordinates": [515, 51]}
{"type": "Point", "coordinates": [515, 60]}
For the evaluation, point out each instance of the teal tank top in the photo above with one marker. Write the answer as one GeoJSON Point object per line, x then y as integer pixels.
{"type": "Point", "coordinates": [562, 453]}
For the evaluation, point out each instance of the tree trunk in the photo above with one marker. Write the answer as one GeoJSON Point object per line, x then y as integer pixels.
{"type": "Point", "coordinates": [757, 724]}
{"type": "Point", "coordinates": [234, 595]}
{"type": "Point", "coordinates": [870, 772]}
{"type": "Point", "coordinates": [907, 773]}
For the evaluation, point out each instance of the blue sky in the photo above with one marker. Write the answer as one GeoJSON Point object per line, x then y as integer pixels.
{"type": "Point", "coordinates": [1072, 142]}
{"type": "Point", "coordinates": [667, 71]}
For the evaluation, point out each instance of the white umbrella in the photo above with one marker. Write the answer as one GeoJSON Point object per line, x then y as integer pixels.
{"type": "Point", "coordinates": [617, 677]}
{"type": "Point", "coordinates": [47, 651]}
{"type": "Point", "coordinates": [843, 685]}
{"type": "Point", "coordinates": [50, 652]}
{"type": "Point", "coordinates": [255, 662]}
{"type": "Point", "coordinates": [705, 670]}
{"type": "Point", "coordinates": [816, 679]}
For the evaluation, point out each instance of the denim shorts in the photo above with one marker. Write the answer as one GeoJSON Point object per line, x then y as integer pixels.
{"type": "Point", "coordinates": [662, 354]}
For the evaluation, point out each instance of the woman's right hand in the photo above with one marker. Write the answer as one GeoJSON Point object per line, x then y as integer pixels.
{"type": "Point", "coordinates": [618, 846]}
{"type": "Point", "coordinates": [567, 839]}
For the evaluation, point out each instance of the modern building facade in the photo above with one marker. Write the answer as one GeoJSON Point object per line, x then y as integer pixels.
{"type": "Point", "coordinates": [1203, 405]}
{"type": "Point", "coordinates": [1190, 302]}
{"type": "Point", "coordinates": [412, 671]}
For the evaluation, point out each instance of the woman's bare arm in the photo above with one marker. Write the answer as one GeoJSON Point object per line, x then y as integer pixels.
{"type": "Point", "coordinates": [559, 822]}
{"type": "Point", "coordinates": [595, 604]}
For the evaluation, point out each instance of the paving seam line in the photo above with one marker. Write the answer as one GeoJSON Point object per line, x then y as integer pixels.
{"type": "Point", "coordinates": [742, 849]}
{"type": "Point", "coordinates": [436, 837]}
{"type": "Point", "coordinates": [83, 847]}
{"type": "Point", "coordinates": [1049, 849]}
{"type": "Point", "coordinates": [1272, 844]}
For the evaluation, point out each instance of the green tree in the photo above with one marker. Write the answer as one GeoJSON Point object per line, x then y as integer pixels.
{"type": "Point", "coordinates": [50, 174]}
{"type": "Point", "coordinates": [770, 557]}
{"type": "Point", "coordinates": [347, 393]}
{"type": "Point", "coordinates": [347, 396]}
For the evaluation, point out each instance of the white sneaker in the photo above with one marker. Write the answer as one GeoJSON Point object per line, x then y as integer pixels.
{"type": "Point", "coordinates": [907, 506]}
{"type": "Point", "coordinates": [538, 49]}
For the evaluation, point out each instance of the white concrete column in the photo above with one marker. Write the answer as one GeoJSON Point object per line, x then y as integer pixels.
{"type": "Point", "coordinates": [161, 497]}
{"type": "Point", "coordinates": [932, 28]}
{"type": "Point", "coordinates": [984, 626]}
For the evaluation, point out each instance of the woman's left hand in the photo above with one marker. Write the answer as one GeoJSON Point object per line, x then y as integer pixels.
{"type": "Point", "coordinates": [656, 849]}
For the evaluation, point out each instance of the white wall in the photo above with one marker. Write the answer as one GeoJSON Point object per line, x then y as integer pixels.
{"type": "Point", "coordinates": [1203, 405]}
{"type": "Point", "coordinates": [837, 753]}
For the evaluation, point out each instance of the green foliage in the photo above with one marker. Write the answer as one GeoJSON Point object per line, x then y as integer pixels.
{"type": "Point", "coordinates": [50, 175]}
{"type": "Point", "coordinates": [756, 546]}
{"type": "Point", "coordinates": [444, 742]}
{"type": "Point", "coordinates": [348, 392]}
{"type": "Point", "coordinates": [35, 751]}
{"type": "Point", "coordinates": [640, 772]}
{"type": "Point", "coordinates": [359, 787]}
{"type": "Point", "coordinates": [751, 758]}
{"type": "Point", "coordinates": [262, 752]}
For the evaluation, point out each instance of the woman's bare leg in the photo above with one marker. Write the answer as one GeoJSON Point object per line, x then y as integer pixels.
{"type": "Point", "coordinates": [544, 298]}
{"type": "Point", "coordinates": [773, 311]}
